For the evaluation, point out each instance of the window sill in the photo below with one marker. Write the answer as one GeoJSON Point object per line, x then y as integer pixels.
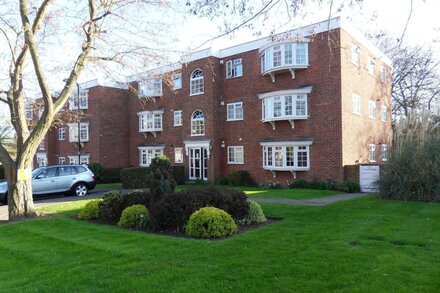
{"type": "Point", "coordinates": [197, 134]}
{"type": "Point", "coordinates": [150, 130]}
{"type": "Point", "coordinates": [177, 125]}
{"type": "Point", "coordinates": [234, 163]}
{"type": "Point", "coordinates": [196, 94]}
{"type": "Point", "coordinates": [286, 168]}
{"type": "Point", "coordinates": [232, 77]}
{"type": "Point", "coordinates": [230, 120]}
{"type": "Point", "coordinates": [357, 114]}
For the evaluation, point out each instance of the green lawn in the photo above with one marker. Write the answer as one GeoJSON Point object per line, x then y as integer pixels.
{"type": "Point", "coordinates": [275, 193]}
{"type": "Point", "coordinates": [363, 245]}
{"type": "Point", "coordinates": [105, 186]}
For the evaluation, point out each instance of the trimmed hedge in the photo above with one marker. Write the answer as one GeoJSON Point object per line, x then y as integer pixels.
{"type": "Point", "coordinates": [134, 217]}
{"type": "Point", "coordinates": [114, 202]}
{"type": "Point", "coordinates": [255, 215]}
{"type": "Point", "coordinates": [346, 186]}
{"type": "Point", "coordinates": [210, 222]}
{"type": "Point", "coordinates": [237, 178]}
{"type": "Point", "coordinates": [90, 211]}
{"type": "Point", "coordinates": [105, 175]}
{"type": "Point", "coordinates": [172, 211]}
{"type": "Point", "coordinates": [135, 177]}
{"type": "Point", "coordinates": [179, 174]}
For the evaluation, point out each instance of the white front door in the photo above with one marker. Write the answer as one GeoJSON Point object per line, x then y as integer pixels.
{"type": "Point", "coordinates": [198, 163]}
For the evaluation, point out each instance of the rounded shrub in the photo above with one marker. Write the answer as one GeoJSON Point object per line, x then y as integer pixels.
{"type": "Point", "coordinates": [210, 222]}
{"type": "Point", "coordinates": [90, 210]}
{"type": "Point", "coordinates": [134, 217]}
{"type": "Point", "coordinates": [255, 215]}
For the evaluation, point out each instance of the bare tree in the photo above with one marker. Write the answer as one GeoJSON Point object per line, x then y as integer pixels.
{"type": "Point", "coordinates": [415, 75]}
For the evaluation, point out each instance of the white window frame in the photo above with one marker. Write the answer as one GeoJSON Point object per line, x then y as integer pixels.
{"type": "Point", "coordinates": [383, 74]}
{"type": "Point", "coordinates": [150, 121]}
{"type": "Point", "coordinates": [83, 101]}
{"type": "Point", "coordinates": [177, 81]}
{"type": "Point", "coordinates": [271, 149]}
{"type": "Point", "coordinates": [234, 68]}
{"type": "Point", "coordinates": [42, 159]}
{"type": "Point", "coordinates": [197, 83]}
{"type": "Point", "coordinates": [151, 87]}
{"type": "Point", "coordinates": [237, 153]}
{"type": "Point", "coordinates": [178, 155]}
{"type": "Point", "coordinates": [372, 109]}
{"type": "Point", "coordinates": [198, 124]}
{"type": "Point", "coordinates": [146, 154]}
{"type": "Point", "coordinates": [73, 132]}
{"type": "Point", "coordinates": [371, 65]}
{"type": "Point", "coordinates": [85, 159]}
{"type": "Point", "coordinates": [268, 107]}
{"type": "Point", "coordinates": [178, 119]}
{"type": "Point", "coordinates": [29, 113]}
{"type": "Point", "coordinates": [384, 152]}
{"type": "Point", "coordinates": [383, 113]}
{"type": "Point", "coordinates": [372, 153]}
{"type": "Point", "coordinates": [61, 160]}
{"type": "Point", "coordinates": [42, 146]}
{"type": "Point", "coordinates": [234, 111]}
{"type": "Point", "coordinates": [356, 104]}
{"type": "Point", "coordinates": [355, 55]}
{"type": "Point", "coordinates": [62, 133]}
{"type": "Point", "coordinates": [296, 51]}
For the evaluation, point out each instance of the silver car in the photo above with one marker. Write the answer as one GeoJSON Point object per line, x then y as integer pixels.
{"type": "Point", "coordinates": [73, 179]}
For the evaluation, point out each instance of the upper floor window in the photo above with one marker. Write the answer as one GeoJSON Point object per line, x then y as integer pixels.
{"type": "Point", "coordinates": [286, 156]}
{"type": "Point", "coordinates": [198, 123]}
{"type": "Point", "coordinates": [151, 87]}
{"type": "Point", "coordinates": [383, 113]}
{"type": "Point", "coordinates": [178, 155]}
{"type": "Point", "coordinates": [177, 81]}
{"type": "Point", "coordinates": [384, 152]}
{"type": "Point", "coordinates": [234, 68]}
{"type": "Point", "coordinates": [372, 109]}
{"type": "Point", "coordinates": [150, 121]}
{"type": "Point", "coordinates": [147, 154]}
{"type": "Point", "coordinates": [355, 55]}
{"type": "Point", "coordinates": [61, 133]}
{"type": "Point", "coordinates": [83, 129]}
{"type": "Point", "coordinates": [235, 155]}
{"type": "Point", "coordinates": [29, 112]}
{"type": "Point", "coordinates": [289, 55]}
{"type": "Point", "coordinates": [285, 107]}
{"type": "Point", "coordinates": [197, 82]}
{"type": "Point", "coordinates": [42, 146]}
{"type": "Point", "coordinates": [235, 111]}
{"type": "Point", "coordinates": [372, 153]}
{"type": "Point", "coordinates": [370, 65]}
{"type": "Point", "coordinates": [80, 101]}
{"type": "Point", "coordinates": [383, 74]}
{"type": "Point", "coordinates": [356, 104]}
{"type": "Point", "coordinates": [178, 118]}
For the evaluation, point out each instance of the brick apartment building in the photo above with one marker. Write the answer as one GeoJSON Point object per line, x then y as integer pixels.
{"type": "Point", "coordinates": [302, 104]}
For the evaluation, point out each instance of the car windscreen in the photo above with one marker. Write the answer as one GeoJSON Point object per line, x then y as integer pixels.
{"type": "Point", "coordinates": [36, 171]}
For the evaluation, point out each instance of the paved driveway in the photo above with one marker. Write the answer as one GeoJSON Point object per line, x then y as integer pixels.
{"type": "Point", "coordinates": [53, 201]}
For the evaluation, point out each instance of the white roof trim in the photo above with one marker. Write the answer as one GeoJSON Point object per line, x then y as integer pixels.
{"type": "Point", "coordinates": [303, 90]}
{"type": "Point", "coordinates": [287, 143]}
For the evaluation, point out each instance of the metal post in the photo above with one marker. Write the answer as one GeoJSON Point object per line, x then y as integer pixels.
{"type": "Point", "coordinates": [79, 125]}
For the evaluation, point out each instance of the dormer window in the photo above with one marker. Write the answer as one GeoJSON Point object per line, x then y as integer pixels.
{"type": "Point", "coordinates": [150, 87]}
{"type": "Point", "coordinates": [284, 57]}
{"type": "Point", "coordinates": [150, 121]}
{"type": "Point", "coordinates": [287, 105]}
{"type": "Point", "coordinates": [197, 83]}
{"type": "Point", "coordinates": [80, 102]}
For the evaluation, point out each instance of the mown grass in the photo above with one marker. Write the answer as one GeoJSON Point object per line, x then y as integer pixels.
{"type": "Point", "coordinates": [363, 245]}
{"type": "Point", "coordinates": [274, 193]}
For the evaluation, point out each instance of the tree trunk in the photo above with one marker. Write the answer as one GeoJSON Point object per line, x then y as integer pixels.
{"type": "Point", "coordinates": [20, 202]}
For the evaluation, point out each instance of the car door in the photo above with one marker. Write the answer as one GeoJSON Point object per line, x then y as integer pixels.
{"type": "Point", "coordinates": [65, 178]}
{"type": "Point", "coordinates": [45, 182]}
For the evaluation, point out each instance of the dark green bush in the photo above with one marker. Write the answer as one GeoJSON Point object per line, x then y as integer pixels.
{"type": "Point", "coordinates": [90, 211]}
{"type": "Point", "coordinates": [299, 183]}
{"type": "Point", "coordinates": [135, 177]}
{"type": "Point", "coordinates": [210, 222]}
{"type": "Point", "coordinates": [352, 186]}
{"type": "Point", "coordinates": [134, 217]}
{"type": "Point", "coordinates": [97, 169]}
{"type": "Point", "coordinates": [329, 184]}
{"type": "Point", "coordinates": [179, 174]}
{"type": "Point", "coordinates": [2, 172]}
{"type": "Point", "coordinates": [111, 175]}
{"type": "Point", "coordinates": [173, 210]}
{"type": "Point", "coordinates": [114, 202]}
{"type": "Point", "coordinates": [161, 180]}
{"type": "Point", "coordinates": [237, 178]}
{"type": "Point", "coordinates": [255, 215]}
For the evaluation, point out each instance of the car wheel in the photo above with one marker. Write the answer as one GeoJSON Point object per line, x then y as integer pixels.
{"type": "Point", "coordinates": [80, 189]}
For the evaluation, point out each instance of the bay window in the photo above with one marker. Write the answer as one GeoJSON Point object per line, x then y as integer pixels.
{"type": "Point", "coordinates": [150, 121]}
{"type": "Point", "coordinates": [287, 56]}
{"type": "Point", "coordinates": [286, 156]}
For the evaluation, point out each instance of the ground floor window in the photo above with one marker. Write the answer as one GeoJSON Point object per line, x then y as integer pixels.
{"type": "Point", "coordinates": [178, 155]}
{"type": "Point", "coordinates": [384, 152]}
{"type": "Point", "coordinates": [372, 153]}
{"type": "Point", "coordinates": [61, 160]}
{"type": "Point", "coordinates": [84, 160]}
{"type": "Point", "coordinates": [147, 154]}
{"type": "Point", "coordinates": [235, 155]}
{"type": "Point", "coordinates": [286, 156]}
{"type": "Point", "coordinates": [41, 160]}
